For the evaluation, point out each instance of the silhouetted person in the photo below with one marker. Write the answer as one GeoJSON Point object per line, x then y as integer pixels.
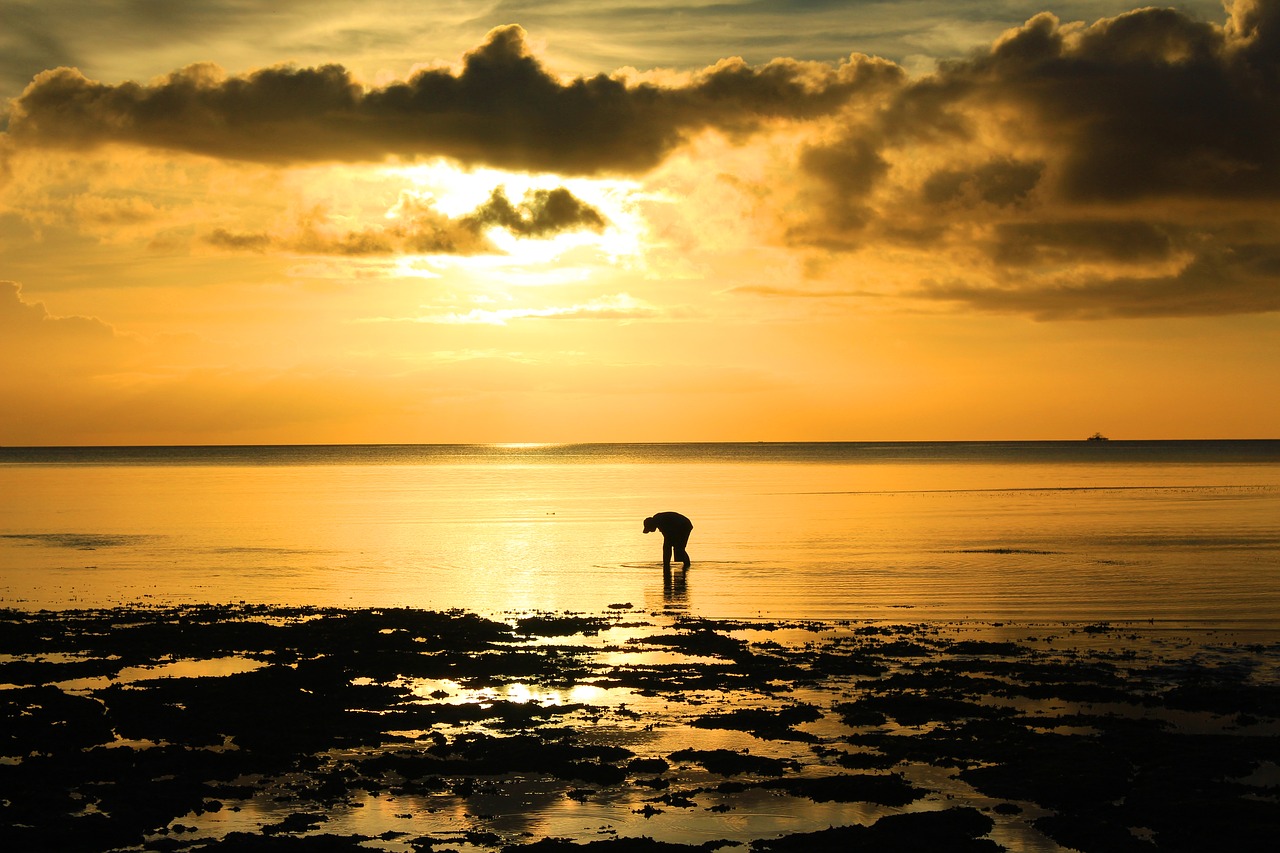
{"type": "Point", "coordinates": [675, 535]}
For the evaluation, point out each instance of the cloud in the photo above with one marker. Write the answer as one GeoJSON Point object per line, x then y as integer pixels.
{"type": "Point", "coordinates": [91, 210]}
{"type": "Point", "coordinates": [126, 40]}
{"type": "Point", "coordinates": [417, 227]}
{"type": "Point", "coordinates": [542, 213]}
{"type": "Point", "coordinates": [1147, 105]}
{"type": "Point", "coordinates": [240, 241]}
{"type": "Point", "coordinates": [1128, 167]}
{"type": "Point", "coordinates": [1073, 242]}
{"type": "Point", "coordinates": [503, 108]}
{"type": "Point", "coordinates": [1065, 170]}
{"type": "Point", "coordinates": [1234, 280]}
{"type": "Point", "coordinates": [1001, 181]}
{"type": "Point", "coordinates": [25, 323]}
{"type": "Point", "coordinates": [42, 352]}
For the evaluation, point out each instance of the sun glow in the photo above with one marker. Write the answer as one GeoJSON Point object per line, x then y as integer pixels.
{"type": "Point", "coordinates": [414, 266]}
{"type": "Point", "coordinates": [456, 193]}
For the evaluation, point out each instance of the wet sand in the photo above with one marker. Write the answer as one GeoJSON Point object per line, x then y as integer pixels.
{"type": "Point", "coordinates": [270, 728]}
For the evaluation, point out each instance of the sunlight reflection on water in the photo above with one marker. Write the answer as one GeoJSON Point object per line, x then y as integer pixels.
{"type": "Point", "coordinates": [937, 539]}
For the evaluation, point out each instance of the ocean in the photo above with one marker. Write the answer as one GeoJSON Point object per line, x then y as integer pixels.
{"type": "Point", "coordinates": [1183, 532]}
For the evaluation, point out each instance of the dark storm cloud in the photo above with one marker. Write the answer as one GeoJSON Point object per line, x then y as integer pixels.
{"type": "Point", "coordinates": [503, 109]}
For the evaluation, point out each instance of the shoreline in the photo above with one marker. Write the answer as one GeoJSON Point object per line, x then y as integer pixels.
{"type": "Point", "coordinates": [180, 727]}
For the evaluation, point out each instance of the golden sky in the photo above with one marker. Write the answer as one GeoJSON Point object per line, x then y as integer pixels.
{"type": "Point", "coordinates": [322, 221]}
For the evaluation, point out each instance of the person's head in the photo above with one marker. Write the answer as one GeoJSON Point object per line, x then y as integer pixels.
{"type": "Point", "coordinates": [649, 526]}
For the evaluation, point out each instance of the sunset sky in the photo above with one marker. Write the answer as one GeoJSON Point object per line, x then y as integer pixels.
{"type": "Point", "coordinates": [315, 221]}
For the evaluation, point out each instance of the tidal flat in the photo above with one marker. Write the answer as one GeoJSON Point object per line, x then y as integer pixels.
{"type": "Point", "coordinates": [247, 727]}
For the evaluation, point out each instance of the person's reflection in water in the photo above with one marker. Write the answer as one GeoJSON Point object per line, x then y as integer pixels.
{"type": "Point", "coordinates": [675, 535]}
{"type": "Point", "coordinates": [675, 588]}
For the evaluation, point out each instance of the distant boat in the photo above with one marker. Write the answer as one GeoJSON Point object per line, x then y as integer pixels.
{"type": "Point", "coordinates": [1097, 436]}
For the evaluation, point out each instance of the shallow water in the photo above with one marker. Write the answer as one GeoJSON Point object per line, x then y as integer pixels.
{"type": "Point", "coordinates": [1179, 531]}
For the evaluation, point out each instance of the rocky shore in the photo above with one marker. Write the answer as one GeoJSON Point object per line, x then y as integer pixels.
{"type": "Point", "coordinates": [241, 727]}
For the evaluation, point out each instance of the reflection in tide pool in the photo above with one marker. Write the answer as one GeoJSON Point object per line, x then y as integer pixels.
{"type": "Point", "coordinates": [188, 668]}
{"type": "Point", "coordinates": [1130, 530]}
{"type": "Point", "coordinates": [450, 692]}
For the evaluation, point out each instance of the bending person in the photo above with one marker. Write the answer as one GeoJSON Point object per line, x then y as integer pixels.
{"type": "Point", "coordinates": [675, 535]}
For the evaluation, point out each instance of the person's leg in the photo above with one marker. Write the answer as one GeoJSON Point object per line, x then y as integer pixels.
{"type": "Point", "coordinates": [681, 554]}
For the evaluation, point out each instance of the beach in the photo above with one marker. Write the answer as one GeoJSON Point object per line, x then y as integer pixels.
{"type": "Point", "coordinates": [265, 728]}
{"type": "Point", "coordinates": [1031, 647]}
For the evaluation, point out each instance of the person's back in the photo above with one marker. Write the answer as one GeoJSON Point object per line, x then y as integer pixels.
{"type": "Point", "coordinates": [675, 535]}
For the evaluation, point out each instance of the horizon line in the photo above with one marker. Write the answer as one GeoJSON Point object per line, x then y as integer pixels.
{"type": "Point", "coordinates": [539, 445]}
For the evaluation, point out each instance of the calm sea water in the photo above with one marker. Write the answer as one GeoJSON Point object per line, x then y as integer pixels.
{"type": "Point", "coordinates": [1118, 530]}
